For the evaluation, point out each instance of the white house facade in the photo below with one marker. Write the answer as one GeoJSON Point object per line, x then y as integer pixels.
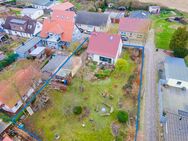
{"type": "Point", "coordinates": [32, 13]}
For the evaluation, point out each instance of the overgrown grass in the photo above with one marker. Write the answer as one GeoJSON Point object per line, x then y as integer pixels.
{"type": "Point", "coordinates": [58, 118]}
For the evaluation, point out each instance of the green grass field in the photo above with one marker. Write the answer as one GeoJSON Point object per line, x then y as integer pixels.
{"type": "Point", "coordinates": [163, 30]}
{"type": "Point", "coordinates": [58, 118]}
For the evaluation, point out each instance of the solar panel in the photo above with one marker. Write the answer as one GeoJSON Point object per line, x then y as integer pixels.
{"type": "Point", "coordinates": [18, 21]}
{"type": "Point", "coordinates": [183, 113]}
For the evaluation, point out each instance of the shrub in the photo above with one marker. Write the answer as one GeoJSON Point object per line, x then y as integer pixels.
{"type": "Point", "coordinates": [77, 110]}
{"type": "Point", "coordinates": [103, 74]}
{"type": "Point", "coordinates": [186, 60]}
{"type": "Point", "coordinates": [122, 116]}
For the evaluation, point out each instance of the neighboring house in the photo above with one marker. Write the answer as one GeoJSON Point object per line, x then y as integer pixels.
{"type": "Point", "coordinates": [69, 69]}
{"type": "Point", "coordinates": [32, 13]}
{"type": "Point", "coordinates": [134, 31]}
{"type": "Point", "coordinates": [42, 4]}
{"type": "Point", "coordinates": [91, 21]}
{"type": "Point", "coordinates": [3, 127]}
{"type": "Point", "coordinates": [104, 47]}
{"type": "Point", "coordinates": [66, 6]}
{"type": "Point", "coordinates": [60, 30]}
{"type": "Point", "coordinates": [139, 14]}
{"type": "Point", "coordinates": [115, 16]}
{"type": "Point", "coordinates": [176, 72]}
{"type": "Point", "coordinates": [154, 9]}
{"type": "Point", "coordinates": [26, 48]}
{"type": "Point", "coordinates": [3, 1]}
{"type": "Point", "coordinates": [21, 84]}
{"type": "Point", "coordinates": [23, 26]}
{"type": "Point", "coordinates": [38, 52]}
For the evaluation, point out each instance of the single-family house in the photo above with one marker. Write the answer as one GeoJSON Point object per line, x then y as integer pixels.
{"type": "Point", "coordinates": [59, 30]}
{"type": "Point", "coordinates": [154, 9]}
{"type": "Point", "coordinates": [92, 21]}
{"type": "Point", "coordinates": [66, 6]}
{"type": "Point", "coordinates": [26, 48]}
{"type": "Point", "coordinates": [42, 4]}
{"type": "Point", "coordinates": [115, 16]}
{"type": "Point", "coordinates": [22, 26]}
{"type": "Point", "coordinates": [176, 72]}
{"type": "Point", "coordinates": [104, 47]}
{"type": "Point", "coordinates": [32, 13]}
{"type": "Point", "coordinates": [134, 31]}
{"type": "Point", "coordinates": [69, 69]}
{"type": "Point", "coordinates": [18, 88]}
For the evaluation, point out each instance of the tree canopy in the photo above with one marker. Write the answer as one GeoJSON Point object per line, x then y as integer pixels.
{"type": "Point", "coordinates": [178, 42]}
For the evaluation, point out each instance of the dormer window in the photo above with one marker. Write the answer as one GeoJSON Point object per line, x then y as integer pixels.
{"type": "Point", "coordinates": [29, 26]}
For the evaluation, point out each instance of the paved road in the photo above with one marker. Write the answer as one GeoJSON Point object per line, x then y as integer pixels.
{"type": "Point", "coordinates": [150, 115]}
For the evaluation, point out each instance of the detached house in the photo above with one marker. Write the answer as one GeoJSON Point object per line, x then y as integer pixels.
{"type": "Point", "coordinates": [32, 13]}
{"type": "Point", "coordinates": [91, 21]}
{"type": "Point", "coordinates": [134, 31]}
{"type": "Point", "coordinates": [176, 72]}
{"type": "Point", "coordinates": [59, 30]}
{"type": "Point", "coordinates": [104, 47]}
{"type": "Point", "coordinates": [24, 26]}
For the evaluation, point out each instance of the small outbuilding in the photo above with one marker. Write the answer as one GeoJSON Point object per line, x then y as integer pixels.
{"type": "Point", "coordinates": [154, 9]}
{"type": "Point", "coordinates": [176, 72]}
{"type": "Point", "coordinates": [38, 52]}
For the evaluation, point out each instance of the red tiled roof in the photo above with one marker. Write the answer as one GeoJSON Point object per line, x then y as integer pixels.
{"type": "Point", "coordinates": [104, 44]}
{"type": "Point", "coordinates": [61, 22]}
{"type": "Point", "coordinates": [134, 25]}
{"type": "Point", "coordinates": [62, 6]}
{"type": "Point", "coordinates": [7, 138]}
{"type": "Point", "coordinates": [22, 80]}
{"type": "Point", "coordinates": [65, 15]}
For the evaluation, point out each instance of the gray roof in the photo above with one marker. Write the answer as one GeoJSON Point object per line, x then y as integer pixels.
{"type": "Point", "coordinates": [56, 62]}
{"type": "Point", "coordinates": [28, 45]}
{"type": "Point", "coordinates": [27, 23]}
{"type": "Point", "coordinates": [3, 126]}
{"type": "Point", "coordinates": [139, 14]}
{"type": "Point", "coordinates": [175, 68]}
{"type": "Point", "coordinates": [176, 129]}
{"type": "Point", "coordinates": [91, 18]}
{"type": "Point", "coordinates": [29, 10]}
{"type": "Point", "coordinates": [42, 2]}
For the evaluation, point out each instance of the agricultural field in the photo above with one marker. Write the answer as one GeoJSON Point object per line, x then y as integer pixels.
{"type": "Point", "coordinates": [100, 99]}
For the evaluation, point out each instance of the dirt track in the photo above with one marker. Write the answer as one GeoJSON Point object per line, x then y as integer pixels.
{"type": "Point", "coordinates": [178, 4]}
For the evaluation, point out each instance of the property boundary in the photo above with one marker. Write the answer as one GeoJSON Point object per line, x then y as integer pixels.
{"type": "Point", "coordinates": [140, 88]}
{"type": "Point", "coordinates": [13, 119]}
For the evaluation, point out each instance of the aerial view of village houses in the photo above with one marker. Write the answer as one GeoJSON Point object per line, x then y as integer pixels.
{"type": "Point", "coordinates": [93, 70]}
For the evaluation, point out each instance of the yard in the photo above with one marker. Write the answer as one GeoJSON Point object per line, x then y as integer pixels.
{"type": "Point", "coordinates": [163, 30]}
{"type": "Point", "coordinates": [96, 96]}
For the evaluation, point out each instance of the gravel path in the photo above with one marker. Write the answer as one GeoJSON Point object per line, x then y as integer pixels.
{"type": "Point", "coordinates": [150, 115]}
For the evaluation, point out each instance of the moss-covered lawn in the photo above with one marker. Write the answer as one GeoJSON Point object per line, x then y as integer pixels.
{"type": "Point", "coordinates": [58, 118]}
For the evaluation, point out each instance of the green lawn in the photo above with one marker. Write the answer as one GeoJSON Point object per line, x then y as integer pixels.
{"type": "Point", "coordinates": [58, 118]}
{"type": "Point", "coordinates": [163, 30]}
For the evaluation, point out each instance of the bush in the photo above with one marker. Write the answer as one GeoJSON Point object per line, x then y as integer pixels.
{"type": "Point", "coordinates": [122, 116]}
{"type": "Point", "coordinates": [77, 110]}
{"type": "Point", "coordinates": [8, 60]}
{"type": "Point", "coordinates": [103, 74]}
{"type": "Point", "coordinates": [186, 60]}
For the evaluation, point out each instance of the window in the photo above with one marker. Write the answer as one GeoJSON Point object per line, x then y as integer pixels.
{"type": "Point", "coordinates": [178, 83]}
{"type": "Point", "coordinates": [104, 59]}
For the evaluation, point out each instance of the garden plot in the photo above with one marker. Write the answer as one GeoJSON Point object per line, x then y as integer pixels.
{"type": "Point", "coordinates": [88, 110]}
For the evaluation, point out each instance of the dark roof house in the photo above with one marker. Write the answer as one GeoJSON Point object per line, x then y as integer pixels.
{"type": "Point", "coordinates": [92, 18]}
